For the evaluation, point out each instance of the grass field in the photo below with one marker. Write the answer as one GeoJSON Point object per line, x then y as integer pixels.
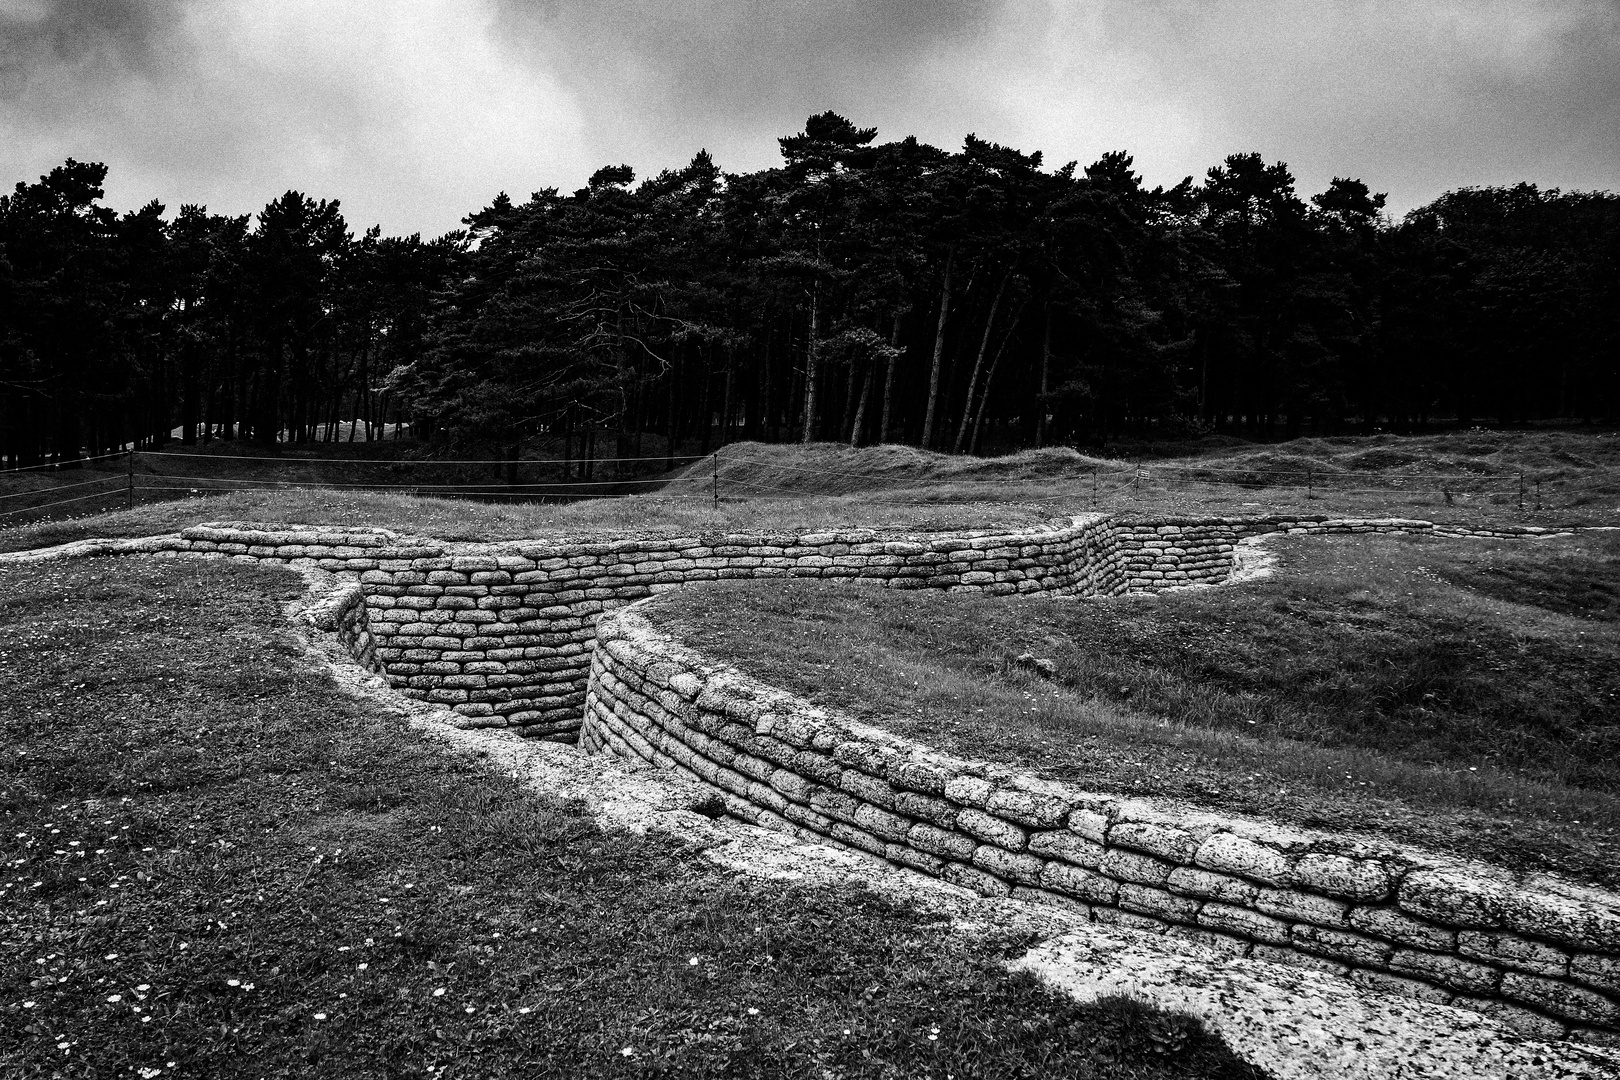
{"type": "Point", "coordinates": [1528, 477]}
{"type": "Point", "coordinates": [1521, 476]}
{"type": "Point", "coordinates": [1460, 694]}
{"type": "Point", "coordinates": [216, 864]}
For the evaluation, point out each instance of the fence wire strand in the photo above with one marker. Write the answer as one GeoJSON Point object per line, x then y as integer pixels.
{"type": "Point", "coordinates": [59, 502]}
{"type": "Point", "coordinates": [286, 460]}
{"type": "Point", "coordinates": [67, 464]}
{"type": "Point", "coordinates": [65, 487]}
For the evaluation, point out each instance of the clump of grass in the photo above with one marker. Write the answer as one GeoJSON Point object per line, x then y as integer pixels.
{"type": "Point", "coordinates": [216, 864]}
{"type": "Point", "coordinates": [1454, 693]}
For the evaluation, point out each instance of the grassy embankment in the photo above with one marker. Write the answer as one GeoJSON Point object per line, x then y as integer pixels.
{"type": "Point", "coordinates": [1567, 476]}
{"type": "Point", "coordinates": [675, 512]}
{"type": "Point", "coordinates": [1466, 476]}
{"type": "Point", "coordinates": [216, 864]}
{"type": "Point", "coordinates": [1459, 694]}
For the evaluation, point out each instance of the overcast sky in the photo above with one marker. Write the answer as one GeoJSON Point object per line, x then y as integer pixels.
{"type": "Point", "coordinates": [415, 112]}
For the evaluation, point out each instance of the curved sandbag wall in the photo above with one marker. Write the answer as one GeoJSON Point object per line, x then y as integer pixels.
{"type": "Point", "coordinates": [1537, 953]}
{"type": "Point", "coordinates": [502, 633]}
{"type": "Point", "coordinates": [529, 635]}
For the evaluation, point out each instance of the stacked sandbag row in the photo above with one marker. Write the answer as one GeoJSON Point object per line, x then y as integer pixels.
{"type": "Point", "coordinates": [502, 633]}
{"type": "Point", "coordinates": [1537, 953]}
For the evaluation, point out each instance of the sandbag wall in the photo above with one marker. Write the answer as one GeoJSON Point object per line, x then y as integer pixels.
{"type": "Point", "coordinates": [1538, 954]}
{"type": "Point", "coordinates": [502, 633]}
{"type": "Point", "coordinates": [1167, 553]}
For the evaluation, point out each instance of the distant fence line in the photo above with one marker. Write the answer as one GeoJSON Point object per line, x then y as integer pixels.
{"type": "Point", "coordinates": [1096, 484]}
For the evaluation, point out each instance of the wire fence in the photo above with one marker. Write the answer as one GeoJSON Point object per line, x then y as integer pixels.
{"type": "Point", "coordinates": [133, 477]}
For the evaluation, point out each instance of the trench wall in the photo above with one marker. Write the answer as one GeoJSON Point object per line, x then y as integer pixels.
{"type": "Point", "coordinates": [503, 633]}
{"type": "Point", "coordinates": [1537, 953]}
{"type": "Point", "coordinates": [514, 635]}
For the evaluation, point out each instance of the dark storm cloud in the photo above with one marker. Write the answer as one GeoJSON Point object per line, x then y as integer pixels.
{"type": "Point", "coordinates": [98, 34]}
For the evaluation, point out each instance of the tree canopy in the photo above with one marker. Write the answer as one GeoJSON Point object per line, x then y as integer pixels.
{"type": "Point", "coordinates": [860, 291]}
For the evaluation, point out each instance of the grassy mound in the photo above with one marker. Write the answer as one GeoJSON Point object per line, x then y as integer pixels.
{"type": "Point", "coordinates": [218, 865]}
{"type": "Point", "coordinates": [837, 469]}
{"type": "Point", "coordinates": [1568, 478]}
{"type": "Point", "coordinates": [470, 521]}
{"type": "Point", "coordinates": [1459, 694]}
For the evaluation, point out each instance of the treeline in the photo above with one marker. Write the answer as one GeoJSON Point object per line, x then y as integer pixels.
{"type": "Point", "coordinates": [859, 292]}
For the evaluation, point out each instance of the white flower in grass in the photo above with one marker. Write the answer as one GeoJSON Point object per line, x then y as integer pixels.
{"type": "Point", "coordinates": [752, 1011]}
{"type": "Point", "coordinates": [29, 1004]}
{"type": "Point", "coordinates": [233, 982]}
{"type": "Point", "coordinates": [144, 987]}
{"type": "Point", "coordinates": [469, 1008]}
{"type": "Point", "coordinates": [628, 1051]}
{"type": "Point", "coordinates": [693, 962]}
{"type": "Point", "coordinates": [113, 999]}
{"type": "Point", "coordinates": [320, 1016]}
{"type": "Point", "coordinates": [439, 992]}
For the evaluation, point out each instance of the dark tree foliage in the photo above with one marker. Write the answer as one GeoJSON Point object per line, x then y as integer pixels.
{"type": "Point", "coordinates": [860, 291]}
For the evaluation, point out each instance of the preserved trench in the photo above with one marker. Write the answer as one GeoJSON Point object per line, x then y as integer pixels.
{"type": "Point", "coordinates": [542, 638]}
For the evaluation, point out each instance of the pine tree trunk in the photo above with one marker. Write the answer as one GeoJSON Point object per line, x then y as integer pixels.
{"type": "Point", "coordinates": [725, 410]}
{"type": "Point", "coordinates": [849, 400]}
{"type": "Point", "coordinates": [984, 396]}
{"type": "Point", "coordinates": [567, 440]}
{"type": "Point", "coordinates": [810, 373]}
{"type": "Point", "coordinates": [860, 410]}
{"type": "Point", "coordinates": [1046, 371]}
{"type": "Point", "coordinates": [939, 352]}
{"type": "Point", "coordinates": [705, 415]}
{"type": "Point", "coordinates": [978, 363]}
{"type": "Point", "coordinates": [888, 381]}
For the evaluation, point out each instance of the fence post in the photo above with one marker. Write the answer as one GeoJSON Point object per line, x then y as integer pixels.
{"type": "Point", "coordinates": [1310, 482]}
{"type": "Point", "coordinates": [1521, 491]}
{"type": "Point", "coordinates": [1136, 483]}
{"type": "Point", "coordinates": [715, 479]}
{"type": "Point", "coordinates": [1094, 487]}
{"type": "Point", "coordinates": [1538, 494]}
{"type": "Point", "coordinates": [130, 460]}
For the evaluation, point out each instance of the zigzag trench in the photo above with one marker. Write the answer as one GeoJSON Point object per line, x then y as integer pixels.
{"type": "Point", "coordinates": [538, 637]}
